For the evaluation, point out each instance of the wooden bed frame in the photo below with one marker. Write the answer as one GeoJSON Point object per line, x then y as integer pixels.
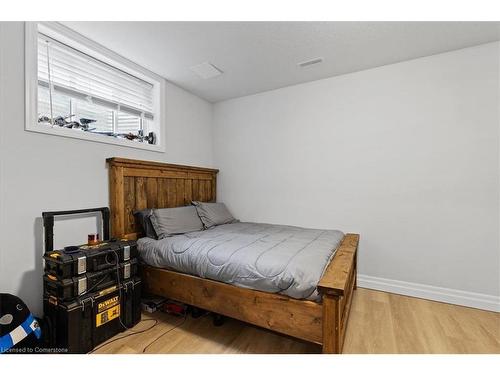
{"type": "Point", "coordinates": [136, 185]}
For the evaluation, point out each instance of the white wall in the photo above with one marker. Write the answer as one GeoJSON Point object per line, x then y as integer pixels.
{"type": "Point", "coordinates": [43, 172]}
{"type": "Point", "coordinates": [407, 155]}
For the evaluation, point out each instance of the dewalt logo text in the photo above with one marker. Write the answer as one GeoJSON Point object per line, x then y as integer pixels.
{"type": "Point", "coordinates": [106, 304]}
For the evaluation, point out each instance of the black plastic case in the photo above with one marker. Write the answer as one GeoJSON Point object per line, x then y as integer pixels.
{"type": "Point", "coordinates": [66, 289]}
{"type": "Point", "coordinates": [88, 259]}
{"type": "Point", "coordinates": [82, 324]}
{"type": "Point", "coordinates": [84, 302]}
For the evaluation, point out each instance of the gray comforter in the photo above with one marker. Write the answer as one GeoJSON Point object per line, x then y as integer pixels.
{"type": "Point", "coordinates": [266, 257]}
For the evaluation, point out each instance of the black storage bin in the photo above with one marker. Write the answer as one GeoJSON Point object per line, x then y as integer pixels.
{"type": "Point", "coordinates": [88, 258]}
{"type": "Point", "coordinates": [87, 298]}
{"type": "Point", "coordinates": [78, 286]}
{"type": "Point", "coordinates": [82, 324]}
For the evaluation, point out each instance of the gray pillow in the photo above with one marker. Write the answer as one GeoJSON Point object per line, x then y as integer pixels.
{"type": "Point", "coordinates": [143, 217]}
{"type": "Point", "coordinates": [177, 220]}
{"type": "Point", "coordinates": [213, 214]}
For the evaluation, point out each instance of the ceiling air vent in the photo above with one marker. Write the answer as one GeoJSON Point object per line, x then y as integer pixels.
{"type": "Point", "coordinates": [206, 70]}
{"type": "Point", "coordinates": [317, 60]}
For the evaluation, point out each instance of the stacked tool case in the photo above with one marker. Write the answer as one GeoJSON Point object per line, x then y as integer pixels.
{"type": "Point", "coordinates": [91, 293]}
{"type": "Point", "coordinates": [75, 286]}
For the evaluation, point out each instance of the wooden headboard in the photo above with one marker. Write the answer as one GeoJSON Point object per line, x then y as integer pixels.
{"type": "Point", "coordinates": [138, 184]}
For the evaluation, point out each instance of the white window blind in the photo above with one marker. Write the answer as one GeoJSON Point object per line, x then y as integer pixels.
{"type": "Point", "coordinates": [75, 85]}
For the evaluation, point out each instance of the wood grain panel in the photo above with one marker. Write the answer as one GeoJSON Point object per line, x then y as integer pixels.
{"type": "Point", "coordinates": [188, 190]}
{"type": "Point", "coordinates": [331, 334]}
{"type": "Point", "coordinates": [344, 312]}
{"type": "Point", "coordinates": [340, 270]}
{"type": "Point", "coordinates": [162, 193]}
{"type": "Point", "coordinates": [141, 198]}
{"type": "Point", "coordinates": [152, 192]}
{"type": "Point", "coordinates": [297, 318]}
{"type": "Point", "coordinates": [208, 190]}
{"type": "Point", "coordinates": [138, 184]}
{"type": "Point", "coordinates": [171, 192]}
{"type": "Point", "coordinates": [129, 206]}
{"type": "Point", "coordinates": [196, 190]}
{"type": "Point", "coordinates": [200, 176]}
{"type": "Point", "coordinates": [214, 189]}
{"type": "Point", "coordinates": [180, 194]}
{"type": "Point", "coordinates": [116, 186]}
{"type": "Point", "coordinates": [148, 165]}
{"type": "Point", "coordinates": [152, 173]}
{"type": "Point", "coordinates": [202, 194]}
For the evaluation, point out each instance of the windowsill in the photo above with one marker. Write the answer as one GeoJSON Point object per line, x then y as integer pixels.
{"type": "Point", "coordinates": [78, 134]}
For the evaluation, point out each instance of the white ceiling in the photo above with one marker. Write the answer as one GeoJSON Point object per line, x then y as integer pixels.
{"type": "Point", "coordinates": [260, 56]}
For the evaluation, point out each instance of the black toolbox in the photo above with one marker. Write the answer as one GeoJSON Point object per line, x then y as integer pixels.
{"type": "Point", "coordinates": [88, 258]}
{"type": "Point", "coordinates": [78, 326]}
{"type": "Point", "coordinates": [84, 309]}
{"type": "Point", "coordinates": [66, 289]}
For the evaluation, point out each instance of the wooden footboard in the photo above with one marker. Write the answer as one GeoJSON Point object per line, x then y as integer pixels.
{"type": "Point", "coordinates": [337, 287]}
{"type": "Point", "coordinates": [297, 318]}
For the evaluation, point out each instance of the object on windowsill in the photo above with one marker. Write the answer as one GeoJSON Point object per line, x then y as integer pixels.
{"type": "Point", "coordinates": [83, 124]}
{"type": "Point", "coordinates": [66, 122]}
{"type": "Point", "coordinates": [44, 119]}
{"type": "Point", "coordinates": [60, 121]}
{"type": "Point", "coordinates": [150, 138]}
{"type": "Point", "coordinates": [86, 121]}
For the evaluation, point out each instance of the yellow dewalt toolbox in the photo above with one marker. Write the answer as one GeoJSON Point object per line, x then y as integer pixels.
{"type": "Point", "coordinates": [91, 292]}
{"type": "Point", "coordinates": [82, 324]}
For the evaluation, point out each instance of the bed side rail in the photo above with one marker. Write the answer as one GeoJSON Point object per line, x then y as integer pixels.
{"type": "Point", "coordinates": [335, 280]}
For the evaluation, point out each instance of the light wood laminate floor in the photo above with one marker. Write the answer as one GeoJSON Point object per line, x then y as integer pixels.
{"type": "Point", "coordinates": [379, 323]}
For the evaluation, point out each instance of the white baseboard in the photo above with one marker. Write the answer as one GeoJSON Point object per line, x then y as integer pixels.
{"type": "Point", "coordinates": [454, 296]}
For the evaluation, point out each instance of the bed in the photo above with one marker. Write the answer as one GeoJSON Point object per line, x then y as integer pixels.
{"type": "Point", "coordinates": [319, 316]}
{"type": "Point", "coordinates": [271, 258]}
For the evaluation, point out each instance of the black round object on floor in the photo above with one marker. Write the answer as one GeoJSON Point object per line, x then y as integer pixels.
{"type": "Point", "coordinates": [219, 320]}
{"type": "Point", "coordinates": [197, 312]}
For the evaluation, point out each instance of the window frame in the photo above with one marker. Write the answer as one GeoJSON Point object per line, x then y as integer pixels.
{"type": "Point", "coordinates": [76, 40]}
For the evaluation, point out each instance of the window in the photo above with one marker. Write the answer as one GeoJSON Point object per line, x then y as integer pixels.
{"type": "Point", "coordinates": [82, 90]}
